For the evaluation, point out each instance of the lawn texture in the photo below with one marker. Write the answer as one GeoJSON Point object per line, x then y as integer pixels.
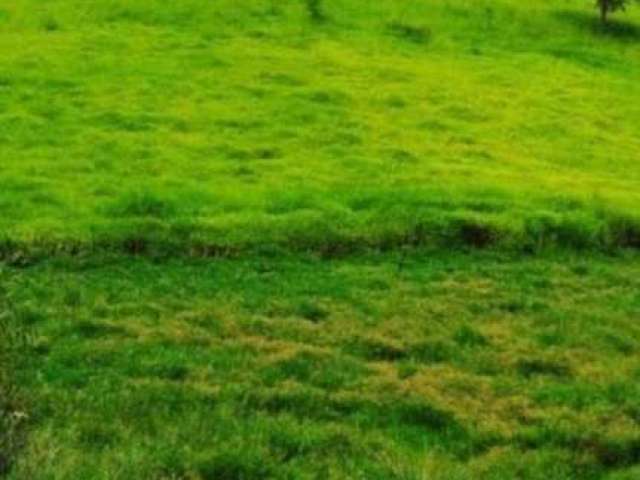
{"type": "Point", "coordinates": [301, 239]}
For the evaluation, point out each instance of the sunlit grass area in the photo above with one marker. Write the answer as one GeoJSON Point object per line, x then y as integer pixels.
{"type": "Point", "coordinates": [244, 124]}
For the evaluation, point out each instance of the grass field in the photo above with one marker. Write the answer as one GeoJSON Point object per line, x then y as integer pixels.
{"type": "Point", "coordinates": [245, 125]}
{"type": "Point", "coordinates": [250, 239]}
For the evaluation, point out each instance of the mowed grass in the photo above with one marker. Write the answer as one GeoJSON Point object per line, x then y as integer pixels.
{"type": "Point", "coordinates": [200, 126]}
{"type": "Point", "coordinates": [454, 366]}
{"type": "Point", "coordinates": [287, 239]}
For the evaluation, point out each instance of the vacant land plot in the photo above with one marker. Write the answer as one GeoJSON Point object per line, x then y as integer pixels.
{"type": "Point", "coordinates": [251, 239]}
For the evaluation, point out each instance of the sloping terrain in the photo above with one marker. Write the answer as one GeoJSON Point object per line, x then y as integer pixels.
{"type": "Point", "coordinates": [242, 125]}
{"type": "Point", "coordinates": [298, 239]}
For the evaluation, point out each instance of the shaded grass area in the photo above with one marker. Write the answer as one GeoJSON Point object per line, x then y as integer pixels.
{"type": "Point", "coordinates": [453, 366]}
{"type": "Point", "coordinates": [14, 347]}
{"type": "Point", "coordinates": [373, 221]}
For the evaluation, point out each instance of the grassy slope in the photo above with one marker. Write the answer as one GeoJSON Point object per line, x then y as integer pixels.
{"type": "Point", "coordinates": [218, 123]}
{"type": "Point", "coordinates": [238, 126]}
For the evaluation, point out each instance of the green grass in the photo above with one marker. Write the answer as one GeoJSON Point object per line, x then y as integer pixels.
{"type": "Point", "coordinates": [299, 239]}
{"type": "Point", "coordinates": [239, 126]}
{"type": "Point", "coordinates": [458, 366]}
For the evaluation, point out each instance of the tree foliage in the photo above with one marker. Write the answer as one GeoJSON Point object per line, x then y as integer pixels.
{"type": "Point", "coordinates": [610, 6]}
{"type": "Point", "coordinates": [314, 7]}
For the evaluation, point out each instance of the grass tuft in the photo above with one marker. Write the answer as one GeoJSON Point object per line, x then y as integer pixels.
{"type": "Point", "coordinates": [411, 33]}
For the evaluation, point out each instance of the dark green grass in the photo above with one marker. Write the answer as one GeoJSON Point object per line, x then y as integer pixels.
{"type": "Point", "coordinates": [12, 403]}
{"type": "Point", "coordinates": [453, 366]}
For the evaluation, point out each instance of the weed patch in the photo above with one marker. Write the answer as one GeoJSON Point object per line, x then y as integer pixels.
{"type": "Point", "coordinates": [411, 33]}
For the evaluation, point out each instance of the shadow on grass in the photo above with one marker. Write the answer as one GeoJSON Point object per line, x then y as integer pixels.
{"type": "Point", "coordinates": [616, 28]}
{"type": "Point", "coordinates": [11, 416]}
